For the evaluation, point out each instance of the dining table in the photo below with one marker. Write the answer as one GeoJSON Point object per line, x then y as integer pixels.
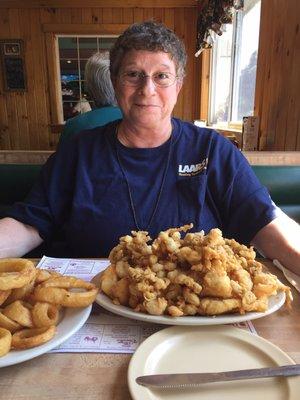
{"type": "Point", "coordinates": [77, 376]}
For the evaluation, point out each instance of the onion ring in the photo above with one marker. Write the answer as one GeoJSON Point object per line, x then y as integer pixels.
{"type": "Point", "coordinates": [5, 341]}
{"type": "Point", "coordinates": [20, 293]}
{"type": "Point", "coordinates": [54, 291]}
{"type": "Point", "coordinates": [8, 323]}
{"type": "Point", "coordinates": [15, 272]}
{"type": "Point", "coordinates": [27, 338]}
{"type": "Point", "coordinates": [68, 282]}
{"type": "Point", "coordinates": [45, 274]}
{"type": "Point", "coordinates": [44, 315]}
{"type": "Point", "coordinates": [4, 294]}
{"type": "Point", "coordinates": [20, 312]}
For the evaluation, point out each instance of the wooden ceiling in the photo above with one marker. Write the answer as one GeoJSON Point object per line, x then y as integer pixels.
{"type": "Point", "coordinates": [97, 3]}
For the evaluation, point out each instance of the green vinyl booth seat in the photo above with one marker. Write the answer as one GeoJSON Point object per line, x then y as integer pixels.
{"type": "Point", "coordinates": [283, 183]}
{"type": "Point", "coordinates": [16, 180]}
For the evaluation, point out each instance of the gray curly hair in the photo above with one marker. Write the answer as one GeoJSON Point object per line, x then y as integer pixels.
{"type": "Point", "coordinates": [151, 36]}
{"type": "Point", "coordinates": [98, 82]}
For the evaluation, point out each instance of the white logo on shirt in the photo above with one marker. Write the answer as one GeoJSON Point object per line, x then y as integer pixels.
{"type": "Point", "coordinates": [193, 169]}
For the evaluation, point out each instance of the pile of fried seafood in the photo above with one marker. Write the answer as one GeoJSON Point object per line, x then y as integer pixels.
{"type": "Point", "coordinates": [196, 275]}
{"type": "Point", "coordinates": [31, 300]}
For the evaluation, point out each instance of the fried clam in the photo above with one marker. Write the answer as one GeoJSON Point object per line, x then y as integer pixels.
{"type": "Point", "coordinates": [107, 279]}
{"type": "Point", "coordinates": [195, 275]}
{"type": "Point", "coordinates": [28, 338]}
{"type": "Point", "coordinates": [15, 272]}
{"type": "Point", "coordinates": [67, 291]}
{"type": "Point", "coordinates": [156, 306]}
{"type": "Point", "coordinates": [217, 284]}
{"type": "Point", "coordinates": [96, 280]}
{"type": "Point", "coordinates": [5, 341]}
{"type": "Point", "coordinates": [251, 303]}
{"type": "Point", "coordinates": [120, 291]}
{"type": "Point", "coordinates": [175, 311]}
{"type": "Point", "coordinates": [168, 242]}
{"type": "Point", "coordinates": [211, 306]}
{"type": "Point", "coordinates": [134, 249]}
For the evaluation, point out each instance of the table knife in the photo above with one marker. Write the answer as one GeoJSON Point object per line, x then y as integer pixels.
{"type": "Point", "coordinates": [193, 379]}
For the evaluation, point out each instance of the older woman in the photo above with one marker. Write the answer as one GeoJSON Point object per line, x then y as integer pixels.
{"type": "Point", "coordinates": [148, 171]}
{"type": "Point", "coordinates": [103, 100]}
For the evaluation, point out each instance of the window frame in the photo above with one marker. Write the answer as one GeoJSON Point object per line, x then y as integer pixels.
{"type": "Point", "coordinates": [206, 88]}
{"type": "Point", "coordinates": [52, 32]}
{"type": "Point", "coordinates": [77, 37]}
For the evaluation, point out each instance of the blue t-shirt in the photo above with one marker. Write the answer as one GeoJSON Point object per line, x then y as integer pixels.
{"type": "Point", "coordinates": [82, 189]}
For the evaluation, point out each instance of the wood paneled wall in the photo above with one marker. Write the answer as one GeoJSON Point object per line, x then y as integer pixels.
{"type": "Point", "coordinates": [277, 99]}
{"type": "Point", "coordinates": [25, 118]}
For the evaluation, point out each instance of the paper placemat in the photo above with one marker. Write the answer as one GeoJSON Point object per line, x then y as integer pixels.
{"type": "Point", "coordinates": [104, 332]}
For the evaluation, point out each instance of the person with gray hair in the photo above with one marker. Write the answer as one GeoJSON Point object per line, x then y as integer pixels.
{"type": "Point", "coordinates": [98, 82]}
{"type": "Point", "coordinates": [152, 37]}
{"type": "Point", "coordinates": [148, 171]}
{"type": "Point", "coordinates": [102, 95]}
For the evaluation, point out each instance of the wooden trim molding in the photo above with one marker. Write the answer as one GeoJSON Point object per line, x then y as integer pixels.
{"type": "Point", "coordinates": [204, 84]}
{"type": "Point", "coordinates": [85, 29]}
{"type": "Point", "coordinates": [57, 128]}
{"type": "Point", "coordinates": [273, 157]}
{"type": "Point", "coordinates": [97, 3]}
{"type": "Point", "coordinates": [56, 107]}
{"type": "Point", "coordinates": [24, 157]}
{"type": "Point", "coordinates": [254, 157]}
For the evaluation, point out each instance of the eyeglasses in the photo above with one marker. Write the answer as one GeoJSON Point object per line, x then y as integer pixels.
{"type": "Point", "coordinates": [136, 78]}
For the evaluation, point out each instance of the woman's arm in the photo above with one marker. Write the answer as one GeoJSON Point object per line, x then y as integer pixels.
{"type": "Point", "coordinates": [16, 238]}
{"type": "Point", "coordinates": [280, 239]}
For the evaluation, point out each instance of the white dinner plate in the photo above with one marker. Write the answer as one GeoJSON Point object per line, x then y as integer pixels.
{"type": "Point", "coordinates": [73, 319]}
{"type": "Point", "coordinates": [275, 302]}
{"type": "Point", "coordinates": [210, 349]}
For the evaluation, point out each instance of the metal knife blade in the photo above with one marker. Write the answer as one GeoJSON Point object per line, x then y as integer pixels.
{"type": "Point", "coordinates": [193, 379]}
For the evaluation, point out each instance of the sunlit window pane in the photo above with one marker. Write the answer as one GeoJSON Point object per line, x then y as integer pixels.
{"type": "Point", "coordinates": [221, 67]}
{"type": "Point", "coordinates": [233, 67]}
{"type": "Point", "coordinates": [246, 61]}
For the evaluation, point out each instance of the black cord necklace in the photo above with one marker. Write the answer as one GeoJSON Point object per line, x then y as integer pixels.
{"type": "Point", "coordinates": [129, 188]}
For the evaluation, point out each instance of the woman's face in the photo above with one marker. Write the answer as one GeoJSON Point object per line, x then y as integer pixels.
{"type": "Point", "coordinates": [146, 105]}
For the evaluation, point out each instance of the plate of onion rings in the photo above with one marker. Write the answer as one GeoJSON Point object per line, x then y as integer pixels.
{"type": "Point", "coordinates": [72, 320]}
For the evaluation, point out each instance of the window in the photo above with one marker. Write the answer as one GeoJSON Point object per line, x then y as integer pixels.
{"type": "Point", "coordinates": [73, 54]}
{"type": "Point", "coordinates": [233, 67]}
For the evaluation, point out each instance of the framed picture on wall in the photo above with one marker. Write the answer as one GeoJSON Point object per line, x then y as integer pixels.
{"type": "Point", "coordinates": [12, 49]}
{"type": "Point", "coordinates": [13, 65]}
